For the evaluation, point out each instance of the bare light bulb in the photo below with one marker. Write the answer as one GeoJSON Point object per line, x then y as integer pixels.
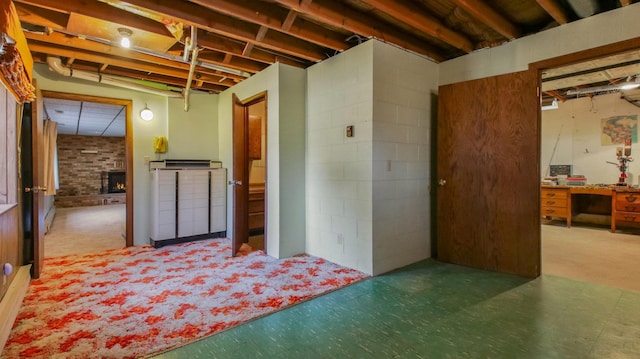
{"type": "Point", "coordinates": [125, 42]}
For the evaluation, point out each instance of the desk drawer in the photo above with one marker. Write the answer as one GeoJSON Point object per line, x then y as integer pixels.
{"type": "Point", "coordinates": [627, 207]}
{"type": "Point", "coordinates": [555, 211]}
{"type": "Point", "coordinates": [554, 202]}
{"type": "Point", "coordinates": [627, 217]}
{"type": "Point", "coordinates": [553, 194]}
{"type": "Point", "coordinates": [627, 198]}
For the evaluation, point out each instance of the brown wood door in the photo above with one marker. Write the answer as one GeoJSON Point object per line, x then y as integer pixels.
{"type": "Point", "coordinates": [240, 176]}
{"type": "Point", "coordinates": [32, 162]}
{"type": "Point", "coordinates": [488, 213]}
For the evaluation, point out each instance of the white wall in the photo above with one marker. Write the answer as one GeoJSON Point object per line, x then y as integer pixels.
{"type": "Point", "coordinates": [575, 126]}
{"type": "Point", "coordinates": [197, 126]}
{"type": "Point", "coordinates": [602, 29]}
{"type": "Point", "coordinates": [285, 88]}
{"type": "Point", "coordinates": [144, 132]}
{"type": "Point", "coordinates": [339, 172]}
{"type": "Point", "coordinates": [402, 87]}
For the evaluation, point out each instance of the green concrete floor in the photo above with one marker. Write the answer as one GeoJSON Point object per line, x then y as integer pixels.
{"type": "Point", "coordinates": [435, 310]}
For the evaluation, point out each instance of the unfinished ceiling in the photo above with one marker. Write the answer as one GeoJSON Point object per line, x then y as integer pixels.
{"type": "Point", "coordinates": [225, 41]}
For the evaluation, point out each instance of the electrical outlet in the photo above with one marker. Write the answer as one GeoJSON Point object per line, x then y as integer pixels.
{"type": "Point", "coordinates": [340, 239]}
{"type": "Point", "coordinates": [146, 160]}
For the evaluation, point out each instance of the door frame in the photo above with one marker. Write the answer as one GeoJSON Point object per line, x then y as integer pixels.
{"type": "Point", "coordinates": [244, 207]}
{"type": "Point", "coordinates": [128, 104]}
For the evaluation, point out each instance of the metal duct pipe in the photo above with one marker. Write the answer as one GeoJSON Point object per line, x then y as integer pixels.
{"type": "Point", "coordinates": [187, 89]}
{"type": "Point", "coordinates": [55, 64]}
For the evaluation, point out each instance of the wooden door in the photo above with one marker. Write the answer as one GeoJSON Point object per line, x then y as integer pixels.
{"type": "Point", "coordinates": [488, 138]}
{"type": "Point", "coordinates": [32, 162]}
{"type": "Point", "coordinates": [240, 176]}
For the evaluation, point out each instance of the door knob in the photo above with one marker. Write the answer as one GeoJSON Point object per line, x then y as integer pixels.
{"type": "Point", "coordinates": [235, 182]}
{"type": "Point", "coordinates": [35, 189]}
{"type": "Point", "coordinates": [442, 182]}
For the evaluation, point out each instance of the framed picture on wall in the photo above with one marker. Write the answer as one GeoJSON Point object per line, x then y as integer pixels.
{"type": "Point", "coordinates": [616, 129]}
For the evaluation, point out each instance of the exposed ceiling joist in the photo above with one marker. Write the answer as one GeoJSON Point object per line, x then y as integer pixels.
{"type": "Point", "coordinates": [102, 11]}
{"type": "Point", "coordinates": [195, 15]}
{"type": "Point", "coordinates": [258, 13]}
{"type": "Point", "coordinates": [59, 39]}
{"type": "Point", "coordinates": [423, 22]}
{"type": "Point", "coordinates": [485, 13]}
{"type": "Point", "coordinates": [555, 10]}
{"type": "Point", "coordinates": [341, 16]}
{"type": "Point", "coordinates": [98, 58]}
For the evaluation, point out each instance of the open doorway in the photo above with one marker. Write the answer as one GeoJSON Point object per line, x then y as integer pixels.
{"type": "Point", "coordinates": [257, 149]}
{"type": "Point", "coordinates": [581, 95]}
{"type": "Point", "coordinates": [92, 209]}
{"type": "Point", "coordinates": [250, 172]}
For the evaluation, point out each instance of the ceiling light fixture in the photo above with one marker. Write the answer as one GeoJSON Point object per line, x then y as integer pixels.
{"type": "Point", "coordinates": [146, 113]}
{"type": "Point", "coordinates": [125, 34]}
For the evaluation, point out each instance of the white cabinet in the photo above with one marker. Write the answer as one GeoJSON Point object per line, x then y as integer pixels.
{"type": "Point", "coordinates": [187, 204]}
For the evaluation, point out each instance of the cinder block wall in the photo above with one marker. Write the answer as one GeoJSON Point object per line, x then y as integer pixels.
{"type": "Point", "coordinates": [80, 173]}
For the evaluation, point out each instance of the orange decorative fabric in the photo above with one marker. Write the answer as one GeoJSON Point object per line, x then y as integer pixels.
{"type": "Point", "coordinates": [17, 54]}
{"type": "Point", "coordinates": [15, 76]}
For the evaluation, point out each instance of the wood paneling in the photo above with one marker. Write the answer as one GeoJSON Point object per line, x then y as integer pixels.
{"type": "Point", "coordinates": [9, 245]}
{"type": "Point", "coordinates": [488, 154]}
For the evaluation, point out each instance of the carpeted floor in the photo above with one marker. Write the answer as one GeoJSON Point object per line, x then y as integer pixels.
{"type": "Point", "coordinates": [79, 230]}
{"type": "Point", "coordinates": [136, 301]}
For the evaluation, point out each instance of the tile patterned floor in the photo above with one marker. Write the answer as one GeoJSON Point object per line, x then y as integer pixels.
{"type": "Point", "coordinates": [435, 310]}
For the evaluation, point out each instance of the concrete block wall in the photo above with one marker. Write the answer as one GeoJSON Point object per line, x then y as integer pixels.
{"type": "Point", "coordinates": [402, 87]}
{"type": "Point", "coordinates": [338, 178]}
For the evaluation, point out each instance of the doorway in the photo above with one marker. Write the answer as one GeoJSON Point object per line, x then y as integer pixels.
{"type": "Point", "coordinates": [250, 172]}
{"type": "Point", "coordinates": [94, 204]}
{"type": "Point", "coordinates": [572, 135]}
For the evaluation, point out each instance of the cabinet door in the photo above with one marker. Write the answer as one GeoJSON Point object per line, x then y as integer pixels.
{"type": "Point", "coordinates": [193, 202]}
{"type": "Point", "coordinates": [218, 200]}
{"type": "Point", "coordinates": [163, 223]}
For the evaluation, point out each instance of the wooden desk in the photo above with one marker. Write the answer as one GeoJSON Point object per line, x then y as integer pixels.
{"type": "Point", "coordinates": [567, 201]}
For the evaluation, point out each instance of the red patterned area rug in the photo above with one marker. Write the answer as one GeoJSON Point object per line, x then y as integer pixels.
{"type": "Point", "coordinates": [136, 301]}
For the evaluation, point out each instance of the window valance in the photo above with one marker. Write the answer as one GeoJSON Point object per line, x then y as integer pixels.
{"type": "Point", "coordinates": [16, 63]}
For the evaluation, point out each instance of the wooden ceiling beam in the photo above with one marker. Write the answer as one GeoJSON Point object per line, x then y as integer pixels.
{"type": "Point", "coordinates": [554, 10]}
{"type": "Point", "coordinates": [342, 16]}
{"type": "Point", "coordinates": [556, 94]}
{"type": "Point", "coordinates": [221, 44]}
{"type": "Point", "coordinates": [261, 14]}
{"type": "Point", "coordinates": [102, 11]}
{"type": "Point", "coordinates": [139, 75]}
{"type": "Point", "coordinates": [247, 49]}
{"type": "Point", "coordinates": [288, 21]}
{"type": "Point", "coordinates": [196, 15]}
{"type": "Point", "coordinates": [54, 50]}
{"type": "Point", "coordinates": [88, 45]}
{"type": "Point", "coordinates": [240, 63]}
{"type": "Point", "coordinates": [42, 17]}
{"type": "Point", "coordinates": [423, 22]}
{"type": "Point", "coordinates": [485, 13]}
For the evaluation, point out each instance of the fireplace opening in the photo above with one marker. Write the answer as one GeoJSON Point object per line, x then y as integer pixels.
{"type": "Point", "coordinates": [116, 182]}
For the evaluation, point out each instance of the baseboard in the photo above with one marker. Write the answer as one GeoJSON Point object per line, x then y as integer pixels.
{"type": "Point", "coordinates": [12, 301]}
